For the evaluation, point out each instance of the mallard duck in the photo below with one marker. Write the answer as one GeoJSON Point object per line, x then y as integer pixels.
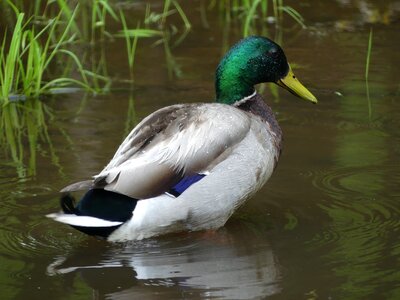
{"type": "Point", "coordinates": [188, 167]}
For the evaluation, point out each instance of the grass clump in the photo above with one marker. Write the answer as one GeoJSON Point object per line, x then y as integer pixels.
{"type": "Point", "coordinates": [131, 38]}
{"type": "Point", "coordinates": [25, 59]}
{"type": "Point", "coordinates": [155, 25]}
{"type": "Point", "coordinates": [254, 13]}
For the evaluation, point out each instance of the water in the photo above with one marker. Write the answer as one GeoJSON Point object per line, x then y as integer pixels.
{"type": "Point", "coordinates": [326, 224]}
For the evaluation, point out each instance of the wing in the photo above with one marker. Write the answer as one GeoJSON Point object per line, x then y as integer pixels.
{"type": "Point", "coordinates": [170, 144]}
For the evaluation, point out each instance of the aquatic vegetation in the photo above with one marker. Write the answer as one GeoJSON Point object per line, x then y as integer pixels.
{"type": "Point", "coordinates": [164, 31]}
{"type": "Point", "coordinates": [367, 62]}
{"type": "Point", "coordinates": [254, 13]}
{"type": "Point", "coordinates": [100, 10]}
{"type": "Point", "coordinates": [25, 62]}
{"type": "Point", "coordinates": [89, 21]}
{"type": "Point", "coordinates": [131, 37]}
{"type": "Point", "coordinates": [368, 55]}
{"type": "Point", "coordinates": [167, 12]}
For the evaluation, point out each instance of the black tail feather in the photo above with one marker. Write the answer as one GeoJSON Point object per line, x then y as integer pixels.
{"type": "Point", "coordinates": [101, 204]}
{"type": "Point", "coordinates": [67, 203]}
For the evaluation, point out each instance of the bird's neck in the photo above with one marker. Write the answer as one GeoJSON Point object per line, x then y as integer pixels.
{"type": "Point", "coordinates": [257, 106]}
{"type": "Point", "coordinates": [233, 78]}
{"type": "Point", "coordinates": [231, 89]}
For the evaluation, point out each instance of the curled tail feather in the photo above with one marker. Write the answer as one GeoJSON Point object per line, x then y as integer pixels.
{"type": "Point", "coordinates": [67, 203]}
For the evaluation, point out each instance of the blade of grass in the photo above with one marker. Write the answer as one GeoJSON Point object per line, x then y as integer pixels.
{"type": "Point", "coordinates": [69, 14]}
{"type": "Point", "coordinates": [250, 17]}
{"type": "Point", "coordinates": [64, 81]}
{"type": "Point", "coordinates": [14, 8]}
{"type": "Point", "coordinates": [368, 59]}
{"type": "Point", "coordinates": [294, 14]}
{"type": "Point", "coordinates": [167, 4]}
{"type": "Point", "coordinates": [182, 14]}
{"type": "Point", "coordinates": [11, 60]}
{"type": "Point", "coordinates": [140, 32]}
{"type": "Point", "coordinates": [367, 63]}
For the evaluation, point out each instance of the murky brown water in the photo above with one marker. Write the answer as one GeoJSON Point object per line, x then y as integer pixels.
{"type": "Point", "coordinates": [325, 226]}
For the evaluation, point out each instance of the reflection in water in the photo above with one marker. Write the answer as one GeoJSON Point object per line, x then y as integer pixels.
{"type": "Point", "coordinates": [217, 264]}
{"type": "Point", "coordinates": [25, 122]}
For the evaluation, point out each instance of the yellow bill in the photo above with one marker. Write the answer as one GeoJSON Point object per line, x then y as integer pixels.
{"type": "Point", "coordinates": [293, 85]}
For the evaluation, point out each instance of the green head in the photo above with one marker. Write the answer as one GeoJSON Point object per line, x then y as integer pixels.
{"type": "Point", "coordinates": [251, 61]}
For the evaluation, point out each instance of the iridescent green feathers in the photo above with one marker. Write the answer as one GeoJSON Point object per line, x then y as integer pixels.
{"type": "Point", "coordinates": [251, 61]}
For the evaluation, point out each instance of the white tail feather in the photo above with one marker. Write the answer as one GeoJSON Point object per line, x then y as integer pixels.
{"type": "Point", "coordinates": [84, 221]}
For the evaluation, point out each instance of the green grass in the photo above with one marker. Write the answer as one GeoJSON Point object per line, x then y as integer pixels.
{"type": "Point", "coordinates": [131, 38]}
{"type": "Point", "coordinates": [250, 17]}
{"type": "Point", "coordinates": [164, 32]}
{"type": "Point", "coordinates": [27, 55]}
{"type": "Point", "coordinates": [254, 14]}
{"type": "Point", "coordinates": [368, 59]}
{"type": "Point", "coordinates": [367, 63]}
{"type": "Point", "coordinates": [294, 14]}
{"type": "Point", "coordinates": [182, 14]}
{"type": "Point", "coordinates": [100, 10]}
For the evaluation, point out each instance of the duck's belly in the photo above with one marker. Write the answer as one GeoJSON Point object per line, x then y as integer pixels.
{"type": "Point", "coordinates": [208, 203]}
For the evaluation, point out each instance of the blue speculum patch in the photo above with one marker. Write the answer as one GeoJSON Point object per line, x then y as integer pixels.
{"type": "Point", "coordinates": [185, 183]}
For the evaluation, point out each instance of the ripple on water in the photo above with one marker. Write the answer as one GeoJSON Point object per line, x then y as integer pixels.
{"type": "Point", "coordinates": [34, 238]}
{"type": "Point", "coordinates": [25, 242]}
{"type": "Point", "coordinates": [364, 220]}
{"type": "Point", "coordinates": [353, 183]}
{"type": "Point", "coordinates": [25, 232]}
{"type": "Point", "coordinates": [358, 189]}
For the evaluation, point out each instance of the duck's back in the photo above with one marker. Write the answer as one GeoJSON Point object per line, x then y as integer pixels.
{"type": "Point", "coordinates": [170, 144]}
